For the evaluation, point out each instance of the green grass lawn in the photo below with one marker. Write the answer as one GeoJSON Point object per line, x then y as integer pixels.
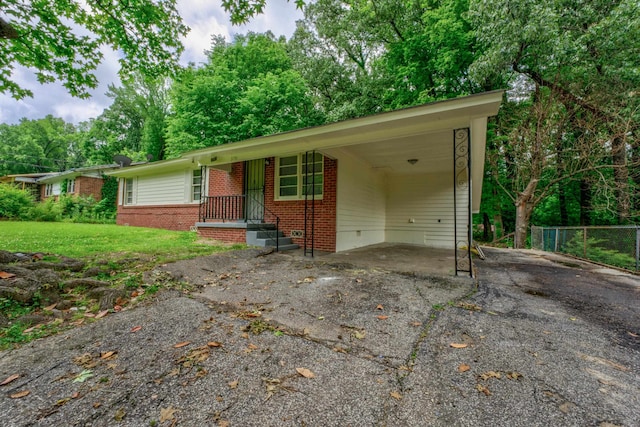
{"type": "Point", "coordinates": [91, 240]}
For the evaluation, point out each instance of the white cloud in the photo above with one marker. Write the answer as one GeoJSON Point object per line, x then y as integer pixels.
{"type": "Point", "coordinates": [205, 18]}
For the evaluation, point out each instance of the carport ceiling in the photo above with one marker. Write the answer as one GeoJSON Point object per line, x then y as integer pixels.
{"type": "Point", "coordinates": [434, 152]}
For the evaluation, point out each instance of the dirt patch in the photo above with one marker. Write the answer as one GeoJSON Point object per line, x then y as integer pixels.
{"type": "Point", "coordinates": [39, 289]}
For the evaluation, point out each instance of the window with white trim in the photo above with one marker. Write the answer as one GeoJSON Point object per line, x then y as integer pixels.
{"type": "Point", "coordinates": [48, 190]}
{"type": "Point", "coordinates": [196, 185]}
{"type": "Point", "coordinates": [128, 191]}
{"type": "Point", "coordinates": [292, 173]}
{"type": "Point", "coordinates": [71, 186]}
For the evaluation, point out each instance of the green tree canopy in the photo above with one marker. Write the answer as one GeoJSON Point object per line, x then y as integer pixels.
{"type": "Point", "coordinates": [41, 145]}
{"type": "Point", "coordinates": [247, 89]}
{"type": "Point", "coordinates": [61, 40]}
{"type": "Point", "coordinates": [133, 125]}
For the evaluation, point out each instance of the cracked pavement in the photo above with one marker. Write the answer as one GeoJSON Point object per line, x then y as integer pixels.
{"type": "Point", "coordinates": [375, 345]}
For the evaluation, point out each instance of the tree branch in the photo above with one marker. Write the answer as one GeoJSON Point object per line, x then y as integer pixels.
{"type": "Point", "coordinates": [7, 31]}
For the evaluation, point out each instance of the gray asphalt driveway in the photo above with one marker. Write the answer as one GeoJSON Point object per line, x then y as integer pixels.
{"type": "Point", "coordinates": [279, 340]}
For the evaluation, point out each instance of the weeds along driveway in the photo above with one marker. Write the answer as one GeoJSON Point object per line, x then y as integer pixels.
{"type": "Point", "coordinates": [282, 340]}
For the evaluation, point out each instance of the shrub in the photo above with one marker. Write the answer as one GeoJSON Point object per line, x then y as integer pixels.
{"type": "Point", "coordinates": [47, 211]}
{"type": "Point", "coordinates": [596, 251]}
{"type": "Point", "coordinates": [14, 202]}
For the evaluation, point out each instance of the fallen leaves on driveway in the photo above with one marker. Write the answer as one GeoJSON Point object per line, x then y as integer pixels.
{"type": "Point", "coordinates": [167, 414]}
{"type": "Point", "coordinates": [182, 344]}
{"type": "Point", "coordinates": [396, 395]}
{"type": "Point", "coordinates": [10, 379]}
{"type": "Point", "coordinates": [458, 345]}
{"type": "Point", "coordinates": [305, 372]}
{"type": "Point", "coordinates": [463, 368]}
{"type": "Point", "coordinates": [20, 394]}
{"type": "Point", "coordinates": [83, 376]}
{"type": "Point", "coordinates": [359, 335]}
{"type": "Point", "coordinates": [483, 389]}
{"type": "Point", "coordinates": [490, 374]}
{"type": "Point", "coordinates": [108, 355]}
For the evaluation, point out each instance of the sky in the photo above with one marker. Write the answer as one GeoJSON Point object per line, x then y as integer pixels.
{"type": "Point", "coordinates": [205, 18]}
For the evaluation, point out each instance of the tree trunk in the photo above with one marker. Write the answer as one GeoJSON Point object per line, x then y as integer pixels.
{"type": "Point", "coordinates": [621, 179]}
{"type": "Point", "coordinates": [585, 202]}
{"type": "Point", "coordinates": [524, 207]}
{"type": "Point", "coordinates": [486, 227]}
{"type": "Point", "coordinates": [562, 200]}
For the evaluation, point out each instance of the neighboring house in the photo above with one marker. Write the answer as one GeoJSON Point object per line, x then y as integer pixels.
{"type": "Point", "coordinates": [403, 176]}
{"type": "Point", "coordinates": [84, 182]}
{"type": "Point", "coordinates": [26, 181]}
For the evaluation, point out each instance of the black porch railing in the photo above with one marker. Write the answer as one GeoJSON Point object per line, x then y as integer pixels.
{"type": "Point", "coordinates": [222, 208]}
{"type": "Point", "coordinates": [233, 208]}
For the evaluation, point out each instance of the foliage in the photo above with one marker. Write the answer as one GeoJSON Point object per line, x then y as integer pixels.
{"type": "Point", "coordinates": [241, 11]}
{"type": "Point", "coordinates": [14, 202]}
{"type": "Point", "coordinates": [12, 309]}
{"type": "Point", "coordinates": [41, 145]}
{"type": "Point", "coordinates": [146, 32]}
{"type": "Point", "coordinates": [134, 124]}
{"type": "Point", "coordinates": [572, 111]}
{"type": "Point", "coordinates": [596, 250]}
{"type": "Point", "coordinates": [90, 240]}
{"type": "Point", "coordinates": [107, 205]}
{"type": "Point", "coordinates": [47, 211]}
{"type": "Point", "coordinates": [247, 89]}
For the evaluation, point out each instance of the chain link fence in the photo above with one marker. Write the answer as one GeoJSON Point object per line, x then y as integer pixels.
{"type": "Point", "coordinates": [618, 246]}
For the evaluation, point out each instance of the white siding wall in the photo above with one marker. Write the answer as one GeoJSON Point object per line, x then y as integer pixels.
{"type": "Point", "coordinates": [428, 201]}
{"type": "Point", "coordinates": [361, 204]}
{"type": "Point", "coordinates": [167, 189]}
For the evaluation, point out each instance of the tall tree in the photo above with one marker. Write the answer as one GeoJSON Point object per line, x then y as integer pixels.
{"type": "Point", "coordinates": [581, 61]}
{"type": "Point", "coordinates": [61, 40]}
{"type": "Point", "coordinates": [247, 89]}
{"type": "Point", "coordinates": [134, 124]}
{"type": "Point", "coordinates": [41, 145]}
{"type": "Point", "coordinates": [365, 57]}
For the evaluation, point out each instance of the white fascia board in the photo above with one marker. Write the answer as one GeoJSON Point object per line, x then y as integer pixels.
{"type": "Point", "coordinates": [153, 168]}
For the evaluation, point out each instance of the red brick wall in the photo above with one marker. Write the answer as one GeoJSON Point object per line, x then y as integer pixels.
{"type": "Point", "coordinates": [85, 186]}
{"type": "Point", "coordinates": [88, 186]}
{"type": "Point", "coordinates": [223, 183]}
{"type": "Point", "coordinates": [291, 212]}
{"type": "Point", "coordinates": [170, 217]}
{"type": "Point", "coordinates": [228, 235]}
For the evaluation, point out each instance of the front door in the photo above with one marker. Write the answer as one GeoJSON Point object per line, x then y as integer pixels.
{"type": "Point", "coordinates": [254, 190]}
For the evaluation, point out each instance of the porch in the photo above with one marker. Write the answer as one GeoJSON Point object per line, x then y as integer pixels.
{"type": "Point", "coordinates": [241, 218]}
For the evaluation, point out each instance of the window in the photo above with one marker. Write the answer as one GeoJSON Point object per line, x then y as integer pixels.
{"type": "Point", "coordinates": [71, 186]}
{"type": "Point", "coordinates": [196, 185]}
{"type": "Point", "coordinates": [128, 191]}
{"type": "Point", "coordinates": [48, 190]}
{"type": "Point", "coordinates": [299, 175]}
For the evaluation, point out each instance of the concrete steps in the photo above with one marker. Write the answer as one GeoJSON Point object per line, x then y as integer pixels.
{"type": "Point", "coordinates": [265, 235]}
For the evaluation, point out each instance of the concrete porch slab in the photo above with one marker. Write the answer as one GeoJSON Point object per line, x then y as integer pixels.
{"type": "Point", "coordinates": [398, 257]}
